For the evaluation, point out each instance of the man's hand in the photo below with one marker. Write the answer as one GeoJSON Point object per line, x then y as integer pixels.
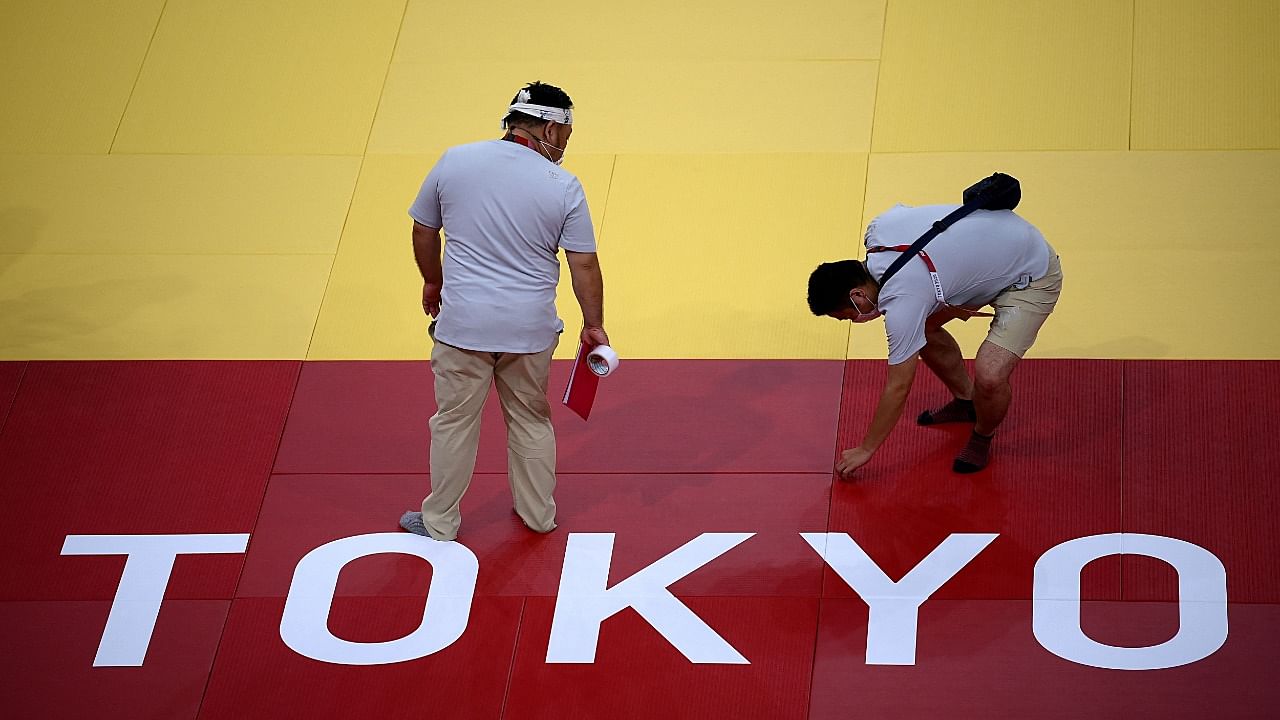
{"type": "Point", "coordinates": [851, 460]}
{"type": "Point", "coordinates": [594, 336]}
{"type": "Point", "coordinates": [431, 299]}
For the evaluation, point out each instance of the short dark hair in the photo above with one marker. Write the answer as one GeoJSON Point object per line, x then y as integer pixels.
{"type": "Point", "coordinates": [540, 93]}
{"type": "Point", "coordinates": [830, 283]}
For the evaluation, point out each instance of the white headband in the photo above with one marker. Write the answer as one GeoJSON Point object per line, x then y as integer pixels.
{"type": "Point", "coordinates": [554, 114]}
{"type": "Point", "coordinates": [560, 115]}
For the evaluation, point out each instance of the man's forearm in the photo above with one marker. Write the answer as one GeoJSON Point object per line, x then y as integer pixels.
{"type": "Point", "coordinates": [588, 287]}
{"type": "Point", "coordinates": [426, 252]}
{"type": "Point", "coordinates": [888, 411]}
{"type": "Point", "coordinates": [892, 400]}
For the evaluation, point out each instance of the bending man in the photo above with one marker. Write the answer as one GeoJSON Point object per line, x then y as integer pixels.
{"type": "Point", "coordinates": [992, 257]}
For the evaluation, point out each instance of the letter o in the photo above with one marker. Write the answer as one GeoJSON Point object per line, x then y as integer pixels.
{"type": "Point", "coordinates": [304, 626]}
{"type": "Point", "coordinates": [1202, 602]}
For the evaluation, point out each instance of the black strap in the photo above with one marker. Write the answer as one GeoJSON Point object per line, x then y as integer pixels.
{"type": "Point", "coordinates": [924, 239]}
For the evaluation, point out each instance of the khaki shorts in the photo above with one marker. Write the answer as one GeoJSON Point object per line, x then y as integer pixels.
{"type": "Point", "coordinates": [1020, 313]}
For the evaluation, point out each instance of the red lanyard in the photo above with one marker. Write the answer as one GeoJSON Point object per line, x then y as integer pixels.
{"type": "Point", "coordinates": [523, 141]}
{"type": "Point", "coordinates": [933, 270]}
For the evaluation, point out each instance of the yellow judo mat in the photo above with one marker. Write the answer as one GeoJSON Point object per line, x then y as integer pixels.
{"type": "Point", "coordinates": [210, 179]}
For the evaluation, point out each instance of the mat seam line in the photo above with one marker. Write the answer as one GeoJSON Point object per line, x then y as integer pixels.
{"type": "Point", "coordinates": [817, 634]}
{"type": "Point", "coordinates": [515, 654]}
{"type": "Point", "coordinates": [1124, 422]}
{"type": "Point", "coordinates": [355, 188]}
{"type": "Point", "coordinates": [213, 662]}
{"type": "Point", "coordinates": [266, 253]}
{"type": "Point", "coordinates": [238, 154]}
{"type": "Point", "coordinates": [685, 154]}
{"type": "Point", "coordinates": [13, 401]}
{"type": "Point", "coordinates": [608, 193]}
{"type": "Point", "coordinates": [382, 92]}
{"type": "Point", "coordinates": [333, 262]}
{"type": "Point", "coordinates": [875, 98]}
{"type": "Point", "coordinates": [1133, 58]}
{"type": "Point", "coordinates": [815, 473]}
{"type": "Point", "coordinates": [134, 88]}
{"type": "Point", "coordinates": [866, 172]}
{"type": "Point", "coordinates": [552, 596]}
{"type": "Point", "coordinates": [853, 596]}
{"type": "Point", "coordinates": [844, 368]}
{"type": "Point", "coordinates": [288, 410]}
{"type": "Point", "coordinates": [257, 518]}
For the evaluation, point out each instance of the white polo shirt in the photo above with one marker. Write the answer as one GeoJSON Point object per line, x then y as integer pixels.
{"type": "Point", "coordinates": [506, 211]}
{"type": "Point", "coordinates": [978, 257]}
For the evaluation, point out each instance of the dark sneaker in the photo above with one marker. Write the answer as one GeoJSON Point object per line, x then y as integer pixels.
{"type": "Point", "coordinates": [412, 521]}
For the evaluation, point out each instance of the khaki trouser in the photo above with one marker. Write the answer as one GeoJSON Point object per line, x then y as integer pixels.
{"type": "Point", "coordinates": [463, 378]}
{"type": "Point", "coordinates": [1020, 313]}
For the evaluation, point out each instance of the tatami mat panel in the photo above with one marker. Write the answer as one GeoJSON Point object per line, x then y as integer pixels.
{"type": "Point", "coordinates": [67, 68]}
{"type": "Point", "coordinates": [1200, 444]}
{"type": "Point", "coordinates": [711, 254]}
{"type": "Point", "coordinates": [651, 515]}
{"type": "Point", "coordinates": [120, 448]}
{"type": "Point", "coordinates": [105, 307]}
{"type": "Point", "coordinates": [48, 661]}
{"type": "Point", "coordinates": [265, 77]}
{"type": "Point", "coordinates": [978, 659]}
{"type": "Point", "coordinates": [1206, 74]}
{"type": "Point", "coordinates": [1132, 228]}
{"type": "Point", "coordinates": [257, 676]}
{"type": "Point", "coordinates": [657, 416]}
{"type": "Point", "coordinates": [645, 78]}
{"type": "Point", "coordinates": [587, 30]}
{"type": "Point", "coordinates": [373, 303]}
{"type": "Point", "coordinates": [657, 105]}
{"type": "Point", "coordinates": [1004, 75]}
{"type": "Point", "coordinates": [636, 669]}
{"type": "Point", "coordinates": [168, 204]}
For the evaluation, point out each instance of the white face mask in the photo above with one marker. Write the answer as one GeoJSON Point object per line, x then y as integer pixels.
{"type": "Point", "coordinates": [545, 145]}
{"type": "Point", "coordinates": [863, 316]}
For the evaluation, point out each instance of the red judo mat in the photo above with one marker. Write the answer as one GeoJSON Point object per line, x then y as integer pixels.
{"type": "Point", "coordinates": [300, 457]}
{"type": "Point", "coordinates": [658, 416]}
{"type": "Point", "coordinates": [1056, 474]}
{"type": "Point", "coordinates": [131, 448]}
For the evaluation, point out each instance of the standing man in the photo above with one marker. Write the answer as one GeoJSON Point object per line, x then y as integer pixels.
{"type": "Point", "coordinates": [507, 208]}
{"type": "Point", "coordinates": [991, 257]}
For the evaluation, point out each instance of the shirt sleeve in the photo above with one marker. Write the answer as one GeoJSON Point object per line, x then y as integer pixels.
{"type": "Point", "coordinates": [425, 209]}
{"type": "Point", "coordinates": [904, 319]}
{"type": "Point", "coordinates": [578, 235]}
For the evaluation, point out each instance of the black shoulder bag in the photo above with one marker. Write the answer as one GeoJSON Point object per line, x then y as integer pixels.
{"type": "Point", "coordinates": [997, 192]}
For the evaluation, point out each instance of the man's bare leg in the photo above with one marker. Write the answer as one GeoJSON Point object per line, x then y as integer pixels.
{"type": "Point", "coordinates": [992, 394]}
{"type": "Point", "coordinates": [941, 354]}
